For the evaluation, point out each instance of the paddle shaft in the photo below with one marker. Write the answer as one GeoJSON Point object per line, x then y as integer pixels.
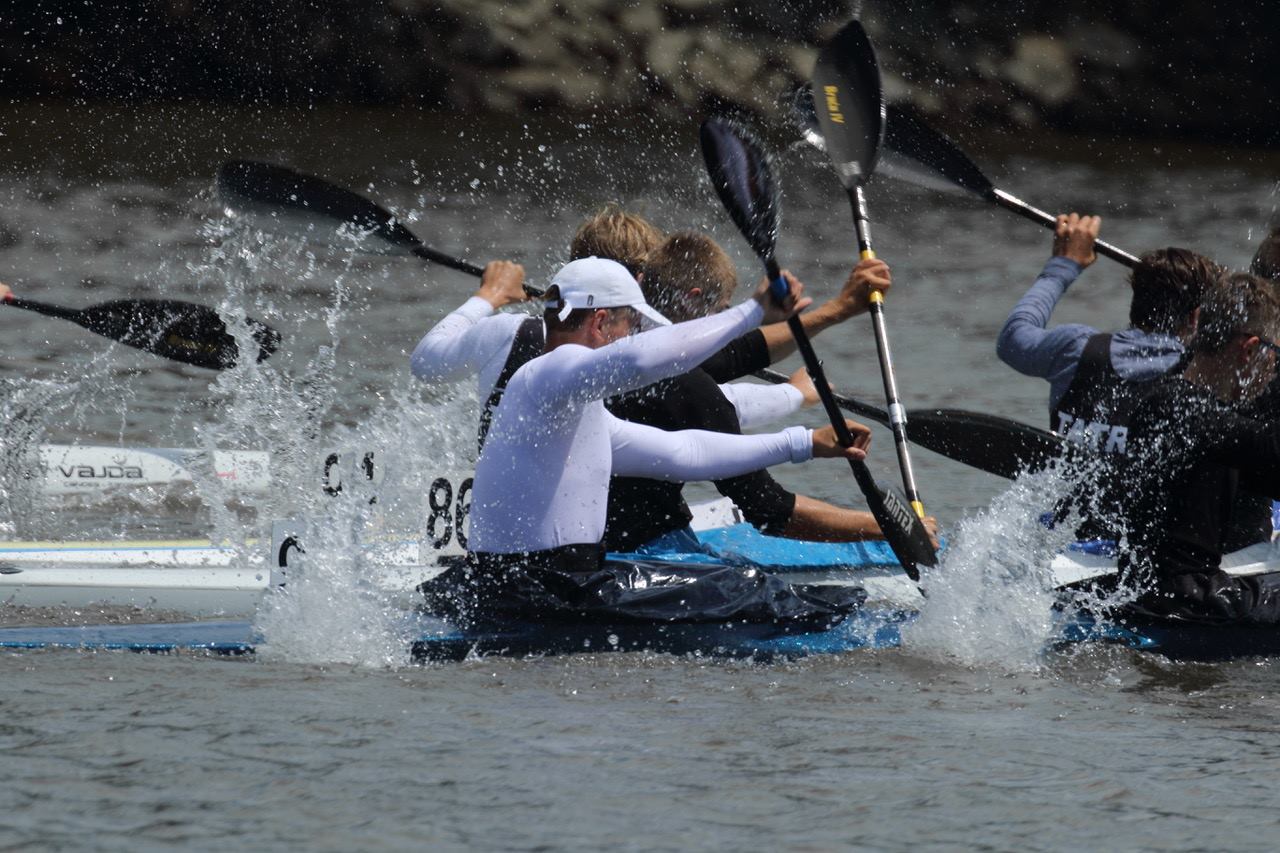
{"type": "Point", "coordinates": [1035, 214]}
{"type": "Point", "coordinates": [48, 310]}
{"type": "Point", "coordinates": [849, 404]}
{"type": "Point", "coordinates": [886, 512]}
{"type": "Point", "coordinates": [429, 254]}
{"type": "Point", "coordinates": [897, 412]}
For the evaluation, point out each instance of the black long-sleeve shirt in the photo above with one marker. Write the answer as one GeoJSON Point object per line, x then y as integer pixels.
{"type": "Point", "coordinates": [1194, 455]}
{"type": "Point", "coordinates": [641, 509]}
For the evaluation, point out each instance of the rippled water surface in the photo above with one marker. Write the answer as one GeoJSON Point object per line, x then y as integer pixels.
{"type": "Point", "coordinates": [318, 746]}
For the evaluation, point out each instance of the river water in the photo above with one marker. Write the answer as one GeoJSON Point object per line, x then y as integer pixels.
{"type": "Point", "coordinates": [969, 736]}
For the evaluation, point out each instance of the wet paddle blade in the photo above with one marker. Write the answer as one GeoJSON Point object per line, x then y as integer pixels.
{"type": "Point", "coordinates": [265, 189]}
{"type": "Point", "coordinates": [280, 193]}
{"type": "Point", "coordinates": [920, 155]}
{"type": "Point", "coordinates": [849, 102]}
{"type": "Point", "coordinates": [181, 331]}
{"type": "Point", "coordinates": [740, 173]}
{"type": "Point", "coordinates": [997, 445]}
{"type": "Point", "coordinates": [901, 528]}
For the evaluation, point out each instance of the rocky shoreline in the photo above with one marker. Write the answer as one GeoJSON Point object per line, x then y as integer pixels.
{"type": "Point", "coordinates": [1172, 69]}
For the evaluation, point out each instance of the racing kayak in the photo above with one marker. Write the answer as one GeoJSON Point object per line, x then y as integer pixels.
{"type": "Point", "coordinates": [201, 579]}
{"type": "Point", "coordinates": [871, 628]}
{"type": "Point", "coordinates": [188, 576]}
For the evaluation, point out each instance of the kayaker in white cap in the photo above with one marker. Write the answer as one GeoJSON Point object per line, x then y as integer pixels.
{"type": "Point", "coordinates": [479, 339]}
{"type": "Point", "coordinates": [541, 484]}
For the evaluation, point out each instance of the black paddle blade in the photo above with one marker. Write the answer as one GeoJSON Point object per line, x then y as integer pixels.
{"type": "Point", "coordinates": [997, 445]}
{"type": "Point", "coordinates": [908, 538]}
{"type": "Point", "coordinates": [899, 524]}
{"type": "Point", "coordinates": [742, 177]}
{"type": "Point", "coordinates": [849, 102]}
{"type": "Point", "coordinates": [920, 155]}
{"type": "Point", "coordinates": [266, 189]}
{"type": "Point", "coordinates": [182, 331]}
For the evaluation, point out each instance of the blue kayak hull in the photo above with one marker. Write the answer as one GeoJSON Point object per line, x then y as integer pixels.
{"type": "Point", "coordinates": [438, 641]}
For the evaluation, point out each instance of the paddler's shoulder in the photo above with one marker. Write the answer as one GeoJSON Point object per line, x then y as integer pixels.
{"type": "Point", "coordinates": [559, 360]}
{"type": "Point", "coordinates": [1169, 402]}
{"type": "Point", "coordinates": [1140, 356]}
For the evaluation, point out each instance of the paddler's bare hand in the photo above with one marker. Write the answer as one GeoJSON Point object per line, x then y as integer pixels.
{"type": "Point", "coordinates": [869, 276]}
{"type": "Point", "coordinates": [931, 527]}
{"type": "Point", "coordinates": [795, 302]}
{"type": "Point", "coordinates": [5, 292]}
{"type": "Point", "coordinates": [803, 383]}
{"type": "Point", "coordinates": [502, 284]}
{"type": "Point", "coordinates": [1074, 236]}
{"type": "Point", "coordinates": [825, 445]}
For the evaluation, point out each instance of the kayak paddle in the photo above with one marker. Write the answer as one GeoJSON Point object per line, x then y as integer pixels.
{"type": "Point", "coordinates": [989, 443]}
{"type": "Point", "coordinates": [852, 121]}
{"type": "Point", "coordinates": [742, 177]}
{"type": "Point", "coordinates": [262, 187]}
{"type": "Point", "coordinates": [181, 331]}
{"type": "Point", "coordinates": [916, 153]}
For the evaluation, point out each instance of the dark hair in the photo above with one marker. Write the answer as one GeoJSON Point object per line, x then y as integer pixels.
{"type": "Point", "coordinates": [1266, 261]}
{"type": "Point", "coordinates": [575, 318]}
{"type": "Point", "coordinates": [1239, 303]}
{"type": "Point", "coordinates": [1168, 284]}
{"type": "Point", "coordinates": [682, 262]}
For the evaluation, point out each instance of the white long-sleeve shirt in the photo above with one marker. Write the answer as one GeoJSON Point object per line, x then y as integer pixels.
{"type": "Point", "coordinates": [543, 478]}
{"type": "Point", "coordinates": [473, 340]}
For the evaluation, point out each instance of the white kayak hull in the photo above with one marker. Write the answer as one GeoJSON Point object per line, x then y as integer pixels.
{"type": "Point", "coordinates": [68, 469]}
{"type": "Point", "coordinates": [208, 581]}
{"type": "Point", "coordinates": [201, 578]}
{"type": "Point", "coordinates": [199, 592]}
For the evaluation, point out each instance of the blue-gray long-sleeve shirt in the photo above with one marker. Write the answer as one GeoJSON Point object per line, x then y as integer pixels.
{"type": "Point", "coordinates": [1028, 346]}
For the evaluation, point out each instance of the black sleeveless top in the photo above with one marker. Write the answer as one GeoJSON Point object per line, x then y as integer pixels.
{"type": "Point", "coordinates": [1095, 413]}
{"type": "Point", "coordinates": [531, 337]}
{"type": "Point", "coordinates": [1095, 410]}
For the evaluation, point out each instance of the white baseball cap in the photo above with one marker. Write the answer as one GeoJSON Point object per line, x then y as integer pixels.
{"type": "Point", "coordinates": [601, 283]}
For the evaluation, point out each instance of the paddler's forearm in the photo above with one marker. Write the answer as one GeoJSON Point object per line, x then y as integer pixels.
{"type": "Point", "coordinates": [1024, 342]}
{"type": "Point", "coordinates": [693, 454]}
{"type": "Point", "coordinates": [819, 521]}
{"type": "Point", "coordinates": [759, 405]}
{"type": "Point", "coordinates": [777, 336]}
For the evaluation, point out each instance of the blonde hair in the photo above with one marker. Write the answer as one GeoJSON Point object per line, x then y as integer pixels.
{"type": "Point", "coordinates": [617, 235]}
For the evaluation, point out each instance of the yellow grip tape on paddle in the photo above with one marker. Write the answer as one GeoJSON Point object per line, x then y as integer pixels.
{"type": "Point", "coordinates": [919, 508]}
{"type": "Point", "coordinates": [876, 298]}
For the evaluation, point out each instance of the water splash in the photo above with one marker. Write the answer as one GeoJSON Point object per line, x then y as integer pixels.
{"type": "Point", "coordinates": [990, 601]}
{"type": "Point", "coordinates": [339, 604]}
{"type": "Point", "coordinates": [331, 609]}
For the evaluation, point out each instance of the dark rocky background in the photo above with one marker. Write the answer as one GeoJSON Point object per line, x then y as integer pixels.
{"type": "Point", "coordinates": [1179, 68]}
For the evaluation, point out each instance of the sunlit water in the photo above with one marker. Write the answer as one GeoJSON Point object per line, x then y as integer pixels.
{"type": "Point", "coordinates": [971, 735]}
